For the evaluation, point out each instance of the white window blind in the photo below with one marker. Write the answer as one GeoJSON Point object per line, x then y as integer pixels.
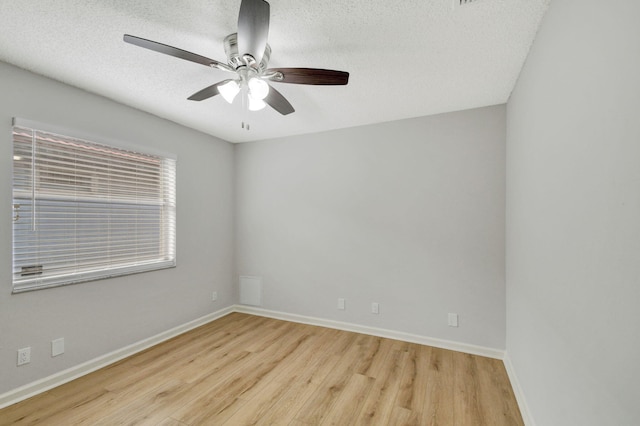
{"type": "Point", "coordinates": [84, 211]}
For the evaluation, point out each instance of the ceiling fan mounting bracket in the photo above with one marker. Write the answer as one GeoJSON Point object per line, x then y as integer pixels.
{"type": "Point", "coordinates": [223, 67]}
{"type": "Point", "coordinates": [273, 76]}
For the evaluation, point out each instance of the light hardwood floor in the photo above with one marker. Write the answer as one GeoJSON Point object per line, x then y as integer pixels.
{"type": "Point", "coordinates": [244, 370]}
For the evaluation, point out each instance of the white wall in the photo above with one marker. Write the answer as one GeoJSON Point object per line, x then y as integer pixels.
{"type": "Point", "coordinates": [98, 317]}
{"type": "Point", "coordinates": [409, 214]}
{"type": "Point", "coordinates": [573, 217]}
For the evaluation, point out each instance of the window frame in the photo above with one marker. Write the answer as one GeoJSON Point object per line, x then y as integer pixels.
{"type": "Point", "coordinates": [167, 214]}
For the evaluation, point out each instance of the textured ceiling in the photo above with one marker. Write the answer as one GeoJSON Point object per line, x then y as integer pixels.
{"type": "Point", "coordinates": [406, 59]}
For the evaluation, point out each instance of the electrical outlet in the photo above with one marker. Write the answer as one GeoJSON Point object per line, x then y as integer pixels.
{"type": "Point", "coordinates": [341, 304]}
{"type": "Point", "coordinates": [214, 296]}
{"type": "Point", "coordinates": [24, 356]}
{"type": "Point", "coordinates": [375, 308]}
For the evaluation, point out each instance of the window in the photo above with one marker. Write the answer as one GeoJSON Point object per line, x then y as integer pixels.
{"type": "Point", "coordinates": [84, 211]}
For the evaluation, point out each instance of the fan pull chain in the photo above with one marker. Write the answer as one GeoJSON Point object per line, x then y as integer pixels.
{"type": "Point", "coordinates": [245, 109]}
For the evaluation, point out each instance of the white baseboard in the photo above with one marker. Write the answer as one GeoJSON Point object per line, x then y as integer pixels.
{"type": "Point", "coordinates": [380, 332]}
{"type": "Point", "coordinates": [517, 390]}
{"type": "Point", "coordinates": [43, 385]}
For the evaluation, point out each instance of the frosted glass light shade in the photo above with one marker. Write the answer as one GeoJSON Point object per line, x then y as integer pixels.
{"type": "Point", "coordinates": [229, 90]}
{"type": "Point", "coordinates": [258, 88]}
{"type": "Point", "coordinates": [255, 104]}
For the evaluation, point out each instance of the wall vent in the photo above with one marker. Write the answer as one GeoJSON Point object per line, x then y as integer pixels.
{"type": "Point", "coordinates": [251, 291]}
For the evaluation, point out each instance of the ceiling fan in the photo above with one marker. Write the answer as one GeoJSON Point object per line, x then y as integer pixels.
{"type": "Point", "coordinates": [247, 57]}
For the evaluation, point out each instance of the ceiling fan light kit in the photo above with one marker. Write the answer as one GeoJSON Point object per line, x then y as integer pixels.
{"type": "Point", "coordinates": [229, 90]}
{"type": "Point", "coordinates": [248, 57]}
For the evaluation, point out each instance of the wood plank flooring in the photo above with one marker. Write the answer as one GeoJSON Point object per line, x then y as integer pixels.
{"type": "Point", "coordinates": [249, 370]}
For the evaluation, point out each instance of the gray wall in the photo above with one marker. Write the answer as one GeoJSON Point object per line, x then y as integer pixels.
{"type": "Point", "coordinates": [573, 217]}
{"type": "Point", "coordinates": [409, 214]}
{"type": "Point", "coordinates": [98, 317]}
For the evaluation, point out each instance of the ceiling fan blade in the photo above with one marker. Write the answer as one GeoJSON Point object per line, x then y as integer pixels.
{"type": "Point", "coordinates": [253, 28]}
{"type": "Point", "coordinates": [174, 51]}
{"type": "Point", "coordinates": [278, 102]}
{"type": "Point", "coordinates": [207, 92]}
{"type": "Point", "coordinates": [314, 76]}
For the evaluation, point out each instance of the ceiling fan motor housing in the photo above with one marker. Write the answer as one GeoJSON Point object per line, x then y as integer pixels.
{"type": "Point", "coordinates": [234, 58]}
